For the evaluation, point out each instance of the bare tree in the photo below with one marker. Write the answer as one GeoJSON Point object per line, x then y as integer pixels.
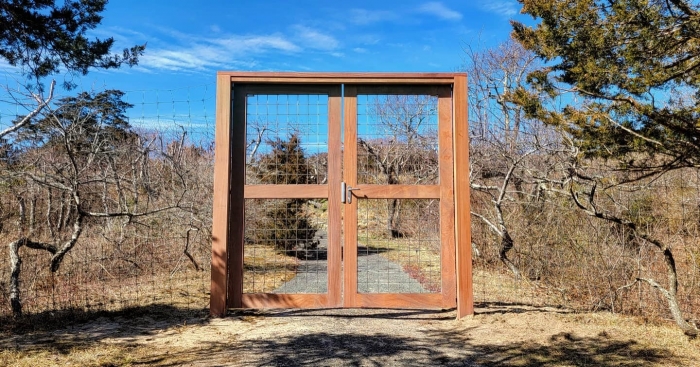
{"type": "Point", "coordinates": [40, 101]}
{"type": "Point", "coordinates": [510, 154]}
{"type": "Point", "coordinates": [89, 166]}
{"type": "Point", "coordinates": [403, 149]}
{"type": "Point", "coordinates": [598, 193]}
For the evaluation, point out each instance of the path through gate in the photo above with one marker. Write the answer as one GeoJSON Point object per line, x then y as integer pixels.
{"type": "Point", "coordinates": [339, 190]}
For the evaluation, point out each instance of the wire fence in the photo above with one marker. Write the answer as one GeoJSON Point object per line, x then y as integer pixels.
{"type": "Point", "coordinates": [120, 262]}
{"type": "Point", "coordinates": [566, 257]}
{"type": "Point", "coordinates": [571, 259]}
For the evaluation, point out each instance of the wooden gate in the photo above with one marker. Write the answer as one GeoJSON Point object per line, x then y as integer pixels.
{"type": "Point", "coordinates": [341, 190]}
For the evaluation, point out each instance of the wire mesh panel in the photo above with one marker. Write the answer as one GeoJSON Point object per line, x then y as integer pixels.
{"type": "Point", "coordinates": [398, 246]}
{"type": "Point", "coordinates": [397, 139]}
{"type": "Point", "coordinates": [286, 246]}
{"type": "Point", "coordinates": [286, 139]}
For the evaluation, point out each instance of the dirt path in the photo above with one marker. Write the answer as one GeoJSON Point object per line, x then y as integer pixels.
{"type": "Point", "coordinates": [499, 335]}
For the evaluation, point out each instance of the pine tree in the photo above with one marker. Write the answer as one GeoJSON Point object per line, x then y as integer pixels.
{"type": "Point", "coordinates": [633, 63]}
{"type": "Point", "coordinates": [43, 37]}
{"type": "Point", "coordinates": [635, 67]}
{"type": "Point", "coordinates": [285, 224]}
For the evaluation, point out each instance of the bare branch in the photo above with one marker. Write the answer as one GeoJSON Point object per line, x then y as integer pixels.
{"type": "Point", "coordinates": [41, 104]}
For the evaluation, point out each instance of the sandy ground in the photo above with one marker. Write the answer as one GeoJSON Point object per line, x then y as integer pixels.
{"type": "Point", "coordinates": [498, 335]}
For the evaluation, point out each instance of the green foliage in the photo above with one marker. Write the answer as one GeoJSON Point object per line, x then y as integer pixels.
{"type": "Point", "coordinates": [286, 226]}
{"type": "Point", "coordinates": [286, 164]}
{"type": "Point", "coordinates": [45, 36]}
{"type": "Point", "coordinates": [634, 66]}
{"type": "Point", "coordinates": [88, 122]}
{"type": "Point", "coordinates": [285, 223]}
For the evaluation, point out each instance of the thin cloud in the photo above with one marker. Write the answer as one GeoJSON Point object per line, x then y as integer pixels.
{"type": "Point", "coordinates": [256, 44]}
{"type": "Point", "coordinates": [200, 54]}
{"type": "Point", "coordinates": [173, 50]}
{"type": "Point", "coordinates": [312, 38]}
{"type": "Point", "coordinates": [504, 8]}
{"type": "Point", "coordinates": [367, 39]}
{"type": "Point", "coordinates": [364, 16]}
{"type": "Point", "coordinates": [440, 10]}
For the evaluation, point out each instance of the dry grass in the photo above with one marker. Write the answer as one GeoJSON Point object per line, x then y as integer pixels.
{"type": "Point", "coordinates": [501, 286]}
{"type": "Point", "coordinates": [417, 253]}
{"type": "Point", "coordinates": [422, 264]}
{"type": "Point", "coordinates": [498, 335]}
{"type": "Point", "coordinates": [265, 269]}
{"type": "Point", "coordinates": [96, 355]}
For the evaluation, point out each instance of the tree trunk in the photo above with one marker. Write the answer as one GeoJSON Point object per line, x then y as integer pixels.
{"type": "Point", "coordinates": [15, 268]}
{"type": "Point", "coordinates": [670, 294]}
{"type": "Point", "coordinates": [392, 219]}
{"type": "Point", "coordinates": [507, 245]}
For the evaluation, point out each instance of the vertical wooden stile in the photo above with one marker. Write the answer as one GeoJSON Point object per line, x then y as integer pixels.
{"type": "Point", "coordinates": [447, 202]}
{"type": "Point", "coordinates": [222, 168]}
{"type": "Point", "coordinates": [236, 217]}
{"type": "Point", "coordinates": [465, 295]}
{"type": "Point", "coordinates": [350, 175]}
{"type": "Point", "coordinates": [335, 276]}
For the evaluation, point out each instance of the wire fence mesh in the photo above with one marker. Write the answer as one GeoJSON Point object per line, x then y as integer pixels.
{"type": "Point", "coordinates": [566, 257]}
{"type": "Point", "coordinates": [122, 261]}
{"type": "Point", "coordinates": [412, 246]}
{"type": "Point", "coordinates": [571, 259]}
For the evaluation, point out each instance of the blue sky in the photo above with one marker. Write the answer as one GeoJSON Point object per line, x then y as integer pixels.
{"type": "Point", "coordinates": [188, 41]}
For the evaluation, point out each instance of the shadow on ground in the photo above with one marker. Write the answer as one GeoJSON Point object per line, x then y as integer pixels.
{"type": "Point", "coordinates": [488, 308]}
{"type": "Point", "coordinates": [447, 349]}
{"type": "Point", "coordinates": [361, 337]}
{"type": "Point", "coordinates": [139, 319]}
{"type": "Point", "coordinates": [567, 349]}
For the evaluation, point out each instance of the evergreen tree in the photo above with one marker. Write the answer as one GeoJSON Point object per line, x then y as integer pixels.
{"type": "Point", "coordinates": [634, 64]}
{"type": "Point", "coordinates": [42, 37]}
{"type": "Point", "coordinates": [285, 224]}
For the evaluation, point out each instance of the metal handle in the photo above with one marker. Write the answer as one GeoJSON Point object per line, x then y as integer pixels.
{"type": "Point", "coordinates": [349, 194]}
{"type": "Point", "coordinates": [346, 193]}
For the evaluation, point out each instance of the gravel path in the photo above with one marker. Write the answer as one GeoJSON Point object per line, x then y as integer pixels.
{"type": "Point", "coordinates": [376, 274]}
{"type": "Point", "coordinates": [312, 277]}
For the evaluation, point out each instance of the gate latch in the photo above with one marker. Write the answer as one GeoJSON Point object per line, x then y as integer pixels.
{"type": "Point", "coordinates": [346, 193]}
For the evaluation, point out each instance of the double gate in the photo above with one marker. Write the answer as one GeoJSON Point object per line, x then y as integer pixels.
{"type": "Point", "coordinates": [339, 190]}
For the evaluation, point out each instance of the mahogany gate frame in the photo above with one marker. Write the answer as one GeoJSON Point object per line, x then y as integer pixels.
{"type": "Point", "coordinates": [230, 190]}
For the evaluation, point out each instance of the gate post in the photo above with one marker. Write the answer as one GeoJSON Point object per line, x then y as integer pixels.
{"type": "Point", "coordinates": [465, 293]}
{"type": "Point", "coordinates": [222, 168]}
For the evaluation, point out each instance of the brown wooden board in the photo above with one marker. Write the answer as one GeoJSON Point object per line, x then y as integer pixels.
{"type": "Point", "coordinates": [335, 177]}
{"type": "Point", "coordinates": [222, 168]}
{"type": "Point", "coordinates": [447, 207]}
{"type": "Point", "coordinates": [236, 214]}
{"type": "Point", "coordinates": [465, 295]}
{"type": "Point", "coordinates": [339, 78]}
{"type": "Point", "coordinates": [397, 191]}
{"type": "Point", "coordinates": [350, 177]}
